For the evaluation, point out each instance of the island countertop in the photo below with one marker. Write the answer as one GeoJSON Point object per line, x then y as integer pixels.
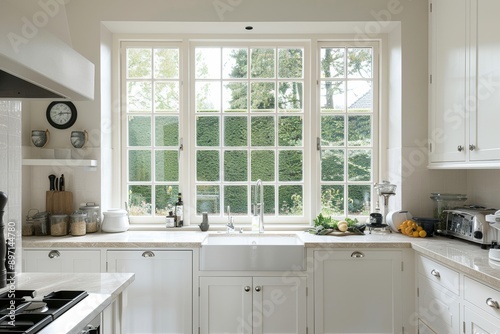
{"type": "Point", "coordinates": [102, 290]}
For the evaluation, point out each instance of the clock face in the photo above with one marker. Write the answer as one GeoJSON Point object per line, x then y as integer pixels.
{"type": "Point", "coordinates": [61, 115]}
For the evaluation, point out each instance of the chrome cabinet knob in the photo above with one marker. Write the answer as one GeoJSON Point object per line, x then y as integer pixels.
{"type": "Point", "coordinates": [492, 303]}
{"type": "Point", "coordinates": [53, 254]}
{"type": "Point", "coordinates": [257, 288]}
{"type": "Point", "coordinates": [460, 148]}
{"type": "Point", "coordinates": [472, 147]}
{"type": "Point", "coordinates": [247, 288]}
{"type": "Point", "coordinates": [148, 254]}
{"type": "Point", "coordinates": [435, 273]}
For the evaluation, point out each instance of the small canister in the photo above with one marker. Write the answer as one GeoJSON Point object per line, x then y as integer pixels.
{"type": "Point", "coordinates": [59, 225]}
{"type": "Point", "coordinates": [170, 220]}
{"type": "Point", "coordinates": [93, 219]}
{"type": "Point", "coordinates": [28, 228]}
{"type": "Point", "coordinates": [41, 224]}
{"type": "Point", "coordinates": [77, 223]}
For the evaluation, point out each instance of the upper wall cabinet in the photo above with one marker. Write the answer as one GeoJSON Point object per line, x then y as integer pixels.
{"type": "Point", "coordinates": [464, 90]}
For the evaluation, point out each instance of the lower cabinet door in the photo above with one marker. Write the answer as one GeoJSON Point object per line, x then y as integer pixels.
{"type": "Point", "coordinates": [479, 322]}
{"type": "Point", "coordinates": [159, 301]}
{"type": "Point", "coordinates": [252, 305]}
{"type": "Point", "coordinates": [226, 305]}
{"type": "Point", "coordinates": [438, 307]}
{"type": "Point", "coordinates": [279, 305]}
{"type": "Point", "coordinates": [358, 291]}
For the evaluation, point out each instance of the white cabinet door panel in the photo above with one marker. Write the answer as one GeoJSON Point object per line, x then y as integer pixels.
{"type": "Point", "coordinates": [160, 298]}
{"type": "Point", "coordinates": [358, 291]}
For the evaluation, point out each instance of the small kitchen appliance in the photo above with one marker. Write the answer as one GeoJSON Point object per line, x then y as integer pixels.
{"type": "Point", "coordinates": [494, 221]}
{"type": "Point", "coordinates": [385, 190]}
{"type": "Point", "coordinates": [469, 223]}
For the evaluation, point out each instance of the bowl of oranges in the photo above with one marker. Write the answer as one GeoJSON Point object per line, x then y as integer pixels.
{"type": "Point", "coordinates": [418, 227]}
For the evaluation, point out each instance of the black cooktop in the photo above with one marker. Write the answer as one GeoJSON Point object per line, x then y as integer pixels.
{"type": "Point", "coordinates": [22, 313]}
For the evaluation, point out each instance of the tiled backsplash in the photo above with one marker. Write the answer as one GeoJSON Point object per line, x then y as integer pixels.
{"type": "Point", "coordinates": [10, 162]}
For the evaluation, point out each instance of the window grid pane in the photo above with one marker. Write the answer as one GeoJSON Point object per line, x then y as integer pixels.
{"type": "Point", "coordinates": [152, 131]}
{"type": "Point", "coordinates": [253, 136]}
{"type": "Point", "coordinates": [346, 123]}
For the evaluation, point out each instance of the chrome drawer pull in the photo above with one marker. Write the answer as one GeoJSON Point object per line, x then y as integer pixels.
{"type": "Point", "coordinates": [257, 288]}
{"type": "Point", "coordinates": [148, 254]}
{"type": "Point", "coordinates": [247, 288]}
{"type": "Point", "coordinates": [435, 273]}
{"type": "Point", "coordinates": [460, 148]}
{"type": "Point", "coordinates": [357, 255]}
{"type": "Point", "coordinates": [492, 303]}
{"type": "Point", "coordinates": [54, 254]}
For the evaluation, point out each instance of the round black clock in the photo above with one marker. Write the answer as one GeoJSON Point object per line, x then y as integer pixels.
{"type": "Point", "coordinates": [61, 114]}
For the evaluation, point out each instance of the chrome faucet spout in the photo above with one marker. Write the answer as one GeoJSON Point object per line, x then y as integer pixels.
{"type": "Point", "coordinates": [259, 203]}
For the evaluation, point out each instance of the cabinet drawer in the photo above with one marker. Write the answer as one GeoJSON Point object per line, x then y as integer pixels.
{"type": "Point", "coordinates": [440, 274]}
{"type": "Point", "coordinates": [482, 296]}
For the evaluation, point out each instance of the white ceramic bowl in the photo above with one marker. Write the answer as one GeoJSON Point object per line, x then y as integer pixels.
{"type": "Point", "coordinates": [115, 220]}
{"type": "Point", "coordinates": [396, 218]}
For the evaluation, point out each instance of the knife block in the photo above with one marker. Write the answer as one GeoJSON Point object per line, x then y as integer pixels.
{"type": "Point", "coordinates": [59, 202]}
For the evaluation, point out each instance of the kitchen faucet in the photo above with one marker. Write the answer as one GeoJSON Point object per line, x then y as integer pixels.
{"type": "Point", "coordinates": [259, 203]}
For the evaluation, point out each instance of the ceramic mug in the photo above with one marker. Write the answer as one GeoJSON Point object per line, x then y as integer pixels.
{"type": "Point", "coordinates": [39, 138]}
{"type": "Point", "coordinates": [79, 138]}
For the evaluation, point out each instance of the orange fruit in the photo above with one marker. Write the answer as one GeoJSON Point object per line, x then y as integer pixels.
{"type": "Point", "coordinates": [422, 234]}
{"type": "Point", "coordinates": [416, 234]}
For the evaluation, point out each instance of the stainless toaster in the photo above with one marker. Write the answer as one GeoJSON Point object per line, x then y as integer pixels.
{"type": "Point", "coordinates": [470, 224]}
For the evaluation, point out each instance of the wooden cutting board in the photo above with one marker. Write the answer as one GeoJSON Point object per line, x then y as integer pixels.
{"type": "Point", "coordinates": [59, 202]}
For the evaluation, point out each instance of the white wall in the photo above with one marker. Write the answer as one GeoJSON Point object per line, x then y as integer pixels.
{"type": "Point", "coordinates": [406, 152]}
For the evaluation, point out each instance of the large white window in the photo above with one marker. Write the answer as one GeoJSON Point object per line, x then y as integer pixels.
{"type": "Point", "coordinates": [210, 118]}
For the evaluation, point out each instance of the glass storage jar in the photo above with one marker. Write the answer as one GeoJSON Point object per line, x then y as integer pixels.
{"type": "Point", "coordinates": [77, 223]}
{"type": "Point", "coordinates": [445, 202]}
{"type": "Point", "coordinates": [41, 225]}
{"type": "Point", "coordinates": [93, 219]}
{"type": "Point", "coordinates": [59, 225]}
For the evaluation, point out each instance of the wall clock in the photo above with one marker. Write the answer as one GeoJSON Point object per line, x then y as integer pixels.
{"type": "Point", "coordinates": [61, 114]}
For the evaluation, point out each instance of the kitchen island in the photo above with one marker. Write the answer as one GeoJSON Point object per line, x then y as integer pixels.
{"type": "Point", "coordinates": [103, 290]}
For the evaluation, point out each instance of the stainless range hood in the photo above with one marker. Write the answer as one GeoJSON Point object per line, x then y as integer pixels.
{"type": "Point", "coordinates": [36, 64]}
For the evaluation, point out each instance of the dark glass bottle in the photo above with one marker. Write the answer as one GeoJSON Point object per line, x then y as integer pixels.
{"type": "Point", "coordinates": [179, 211]}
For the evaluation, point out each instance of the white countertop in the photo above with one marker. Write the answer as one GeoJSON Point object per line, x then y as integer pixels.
{"type": "Point", "coordinates": [102, 289]}
{"type": "Point", "coordinates": [463, 256]}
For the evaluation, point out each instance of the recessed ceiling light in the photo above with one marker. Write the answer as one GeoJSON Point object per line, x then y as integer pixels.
{"type": "Point", "coordinates": [248, 28]}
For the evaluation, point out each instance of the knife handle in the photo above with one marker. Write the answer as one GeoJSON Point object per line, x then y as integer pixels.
{"type": "Point", "coordinates": [52, 179]}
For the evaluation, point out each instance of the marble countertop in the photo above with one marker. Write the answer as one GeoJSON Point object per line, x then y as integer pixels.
{"type": "Point", "coordinates": [463, 256]}
{"type": "Point", "coordinates": [102, 289]}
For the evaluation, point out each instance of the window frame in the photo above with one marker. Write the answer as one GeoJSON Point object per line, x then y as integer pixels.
{"type": "Point", "coordinates": [311, 105]}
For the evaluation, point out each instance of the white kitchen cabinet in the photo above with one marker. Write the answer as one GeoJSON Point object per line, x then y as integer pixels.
{"type": "Point", "coordinates": [255, 305]}
{"type": "Point", "coordinates": [482, 307]}
{"type": "Point", "coordinates": [438, 296]}
{"type": "Point", "coordinates": [358, 291]}
{"type": "Point", "coordinates": [160, 299]}
{"type": "Point", "coordinates": [447, 90]}
{"type": "Point", "coordinates": [62, 261]}
{"type": "Point", "coordinates": [463, 94]}
{"type": "Point", "coordinates": [479, 323]}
